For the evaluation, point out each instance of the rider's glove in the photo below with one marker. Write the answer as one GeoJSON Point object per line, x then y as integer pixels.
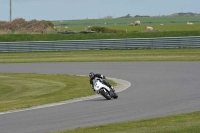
{"type": "Point", "coordinates": [103, 77]}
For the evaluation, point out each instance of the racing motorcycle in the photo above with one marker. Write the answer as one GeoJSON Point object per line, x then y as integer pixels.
{"type": "Point", "coordinates": [104, 90]}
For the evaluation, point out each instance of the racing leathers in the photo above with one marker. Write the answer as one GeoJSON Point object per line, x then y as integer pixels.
{"type": "Point", "coordinates": [103, 80]}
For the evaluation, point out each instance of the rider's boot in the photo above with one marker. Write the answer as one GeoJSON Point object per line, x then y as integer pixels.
{"type": "Point", "coordinates": [113, 88]}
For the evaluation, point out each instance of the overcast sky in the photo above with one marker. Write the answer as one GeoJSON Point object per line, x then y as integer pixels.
{"type": "Point", "coordinates": [92, 9]}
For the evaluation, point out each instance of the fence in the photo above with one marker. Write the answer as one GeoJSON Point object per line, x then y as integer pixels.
{"type": "Point", "coordinates": [129, 43]}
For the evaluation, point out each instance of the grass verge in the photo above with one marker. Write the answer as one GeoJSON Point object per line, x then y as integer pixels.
{"type": "Point", "coordinates": [189, 54]}
{"type": "Point", "coordinates": [27, 90]}
{"type": "Point", "coordinates": [182, 123]}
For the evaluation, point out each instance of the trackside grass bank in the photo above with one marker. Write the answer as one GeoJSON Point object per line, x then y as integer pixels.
{"type": "Point", "coordinates": [182, 123]}
{"type": "Point", "coordinates": [192, 54]}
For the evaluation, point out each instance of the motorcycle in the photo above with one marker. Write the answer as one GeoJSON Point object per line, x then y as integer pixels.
{"type": "Point", "coordinates": [104, 90]}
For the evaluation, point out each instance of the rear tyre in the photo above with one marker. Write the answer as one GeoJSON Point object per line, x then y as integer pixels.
{"type": "Point", "coordinates": [115, 96]}
{"type": "Point", "coordinates": [105, 94]}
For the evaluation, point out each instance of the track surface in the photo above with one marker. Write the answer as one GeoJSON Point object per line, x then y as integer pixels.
{"type": "Point", "coordinates": [157, 89]}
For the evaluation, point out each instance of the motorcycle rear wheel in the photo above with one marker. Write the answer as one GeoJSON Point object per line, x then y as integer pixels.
{"type": "Point", "coordinates": [115, 96]}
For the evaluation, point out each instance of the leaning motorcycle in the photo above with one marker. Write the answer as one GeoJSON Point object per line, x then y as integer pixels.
{"type": "Point", "coordinates": [104, 90]}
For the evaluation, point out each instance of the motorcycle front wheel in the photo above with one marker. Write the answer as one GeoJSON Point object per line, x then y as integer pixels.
{"type": "Point", "coordinates": [105, 94]}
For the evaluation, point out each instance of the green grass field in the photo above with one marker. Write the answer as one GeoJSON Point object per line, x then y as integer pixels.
{"type": "Point", "coordinates": [172, 27]}
{"type": "Point", "coordinates": [169, 23]}
{"type": "Point", "coordinates": [157, 27]}
{"type": "Point", "coordinates": [127, 21]}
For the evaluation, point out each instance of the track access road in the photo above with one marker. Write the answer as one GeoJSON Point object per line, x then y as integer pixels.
{"type": "Point", "coordinates": [157, 89]}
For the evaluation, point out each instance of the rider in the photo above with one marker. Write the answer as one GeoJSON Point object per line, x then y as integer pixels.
{"type": "Point", "coordinates": [93, 76]}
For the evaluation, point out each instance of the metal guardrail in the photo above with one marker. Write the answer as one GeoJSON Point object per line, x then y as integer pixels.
{"type": "Point", "coordinates": [128, 43]}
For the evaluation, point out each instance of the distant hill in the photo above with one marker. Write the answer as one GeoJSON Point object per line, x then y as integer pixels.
{"type": "Point", "coordinates": [181, 14]}
{"type": "Point", "coordinates": [187, 14]}
{"type": "Point", "coordinates": [126, 16]}
{"type": "Point", "coordinates": [129, 16]}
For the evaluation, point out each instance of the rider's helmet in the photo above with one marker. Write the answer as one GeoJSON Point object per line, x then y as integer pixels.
{"type": "Point", "coordinates": [91, 74]}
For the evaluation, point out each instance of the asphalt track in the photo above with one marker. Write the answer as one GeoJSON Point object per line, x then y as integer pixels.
{"type": "Point", "coordinates": [157, 89]}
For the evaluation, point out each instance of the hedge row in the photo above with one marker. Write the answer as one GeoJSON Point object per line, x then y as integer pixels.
{"type": "Point", "coordinates": [53, 37]}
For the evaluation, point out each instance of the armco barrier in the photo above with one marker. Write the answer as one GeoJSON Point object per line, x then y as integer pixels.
{"type": "Point", "coordinates": [128, 43]}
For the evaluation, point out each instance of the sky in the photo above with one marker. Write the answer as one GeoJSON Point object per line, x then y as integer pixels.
{"type": "Point", "coordinates": [92, 9]}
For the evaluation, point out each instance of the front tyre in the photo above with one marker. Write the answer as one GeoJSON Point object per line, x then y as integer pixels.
{"type": "Point", "coordinates": [105, 94]}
